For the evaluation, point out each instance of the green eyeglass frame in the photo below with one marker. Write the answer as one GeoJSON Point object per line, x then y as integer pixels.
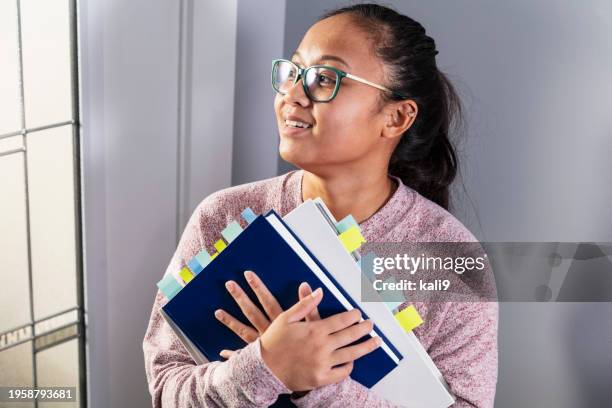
{"type": "Point", "coordinates": [302, 72]}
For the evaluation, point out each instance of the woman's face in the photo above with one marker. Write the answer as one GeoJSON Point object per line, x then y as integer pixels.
{"type": "Point", "coordinates": [346, 130]}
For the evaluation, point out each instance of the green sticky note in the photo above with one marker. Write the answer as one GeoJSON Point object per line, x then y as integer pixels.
{"type": "Point", "coordinates": [232, 230]}
{"type": "Point", "coordinates": [393, 305]}
{"type": "Point", "coordinates": [169, 286]}
{"type": "Point", "coordinates": [346, 223]}
{"type": "Point", "coordinates": [203, 258]}
{"type": "Point", "coordinates": [392, 296]}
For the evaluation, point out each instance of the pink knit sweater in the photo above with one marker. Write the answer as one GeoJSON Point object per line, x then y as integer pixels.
{"type": "Point", "coordinates": [461, 338]}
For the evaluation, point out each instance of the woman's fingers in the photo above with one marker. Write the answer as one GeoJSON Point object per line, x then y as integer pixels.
{"type": "Point", "coordinates": [226, 354]}
{"type": "Point", "coordinates": [267, 300]}
{"type": "Point", "coordinates": [303, 291]}
{"type": "Point", "coordinates": [341, 321]}
{"type": "Point", "coordinates": [339, 373]}
{"type": "Point", "coordinates": [352, 353]}
{"type": "Point", "coordinates": [301, 309]}
{"type": "Point", "coordinates": [351, 334]}
{"type": "Point", "coordinates": [252, 312]}
{"type": "Point", "coordinates": [246, 333]}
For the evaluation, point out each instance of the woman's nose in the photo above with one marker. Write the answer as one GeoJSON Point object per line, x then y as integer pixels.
{"type": "Point", "coordinates": [296, 94]}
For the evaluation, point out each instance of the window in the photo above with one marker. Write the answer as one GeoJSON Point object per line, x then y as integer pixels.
{"type": "Point", "coordinates": [41, 323]}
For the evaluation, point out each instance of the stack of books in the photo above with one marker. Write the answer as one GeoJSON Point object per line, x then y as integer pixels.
{"type": "Point", "coordinates": [307, 245]}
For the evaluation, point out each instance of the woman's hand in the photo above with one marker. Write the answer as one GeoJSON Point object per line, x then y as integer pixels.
{"type": "Point", "coordinates": [257, 318]}
{"type": "Point", "coordinates": [303, 354]}
{"type": "Point", "coordinates": [308, 354]}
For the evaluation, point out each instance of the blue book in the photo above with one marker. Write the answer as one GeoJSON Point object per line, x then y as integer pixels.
{"type": "Point", "coordinates": [270, 249]}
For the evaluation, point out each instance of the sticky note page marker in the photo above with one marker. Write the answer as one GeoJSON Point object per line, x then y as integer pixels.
{"type": "Point", "coordinates": [346, 223]}
{"type": "Point", "coordinates": [195, 266]}
{"type": "Point", "coordinates": [203, 258]}
{"type": "Point", "coordinates": [248, 215]}
{"type": "Point", "coordinates": [352, 238]}
{"type": "Point", "coordinates": [392, 305]}
{"type": "Point", "coordinates": [232, 230]}
{"type": "Point", "coordinates": [409, 318]}
{"type": "Point", "coordinates": [169, 286]}
{"type": "Point", "coordinates": [186, 274]}
{"type": "Point", "coordinates": [220, 245]}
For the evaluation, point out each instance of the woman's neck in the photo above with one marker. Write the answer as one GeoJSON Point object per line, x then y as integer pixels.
{"type": "Point", "coordinates": [346, 194]}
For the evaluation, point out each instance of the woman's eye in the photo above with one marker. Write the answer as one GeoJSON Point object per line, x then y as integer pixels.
{"type": "Point", "coordinates": [325, 80]}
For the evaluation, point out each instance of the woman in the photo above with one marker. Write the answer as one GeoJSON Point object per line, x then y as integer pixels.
{"type": "Point", "coordinates": [373, 144]}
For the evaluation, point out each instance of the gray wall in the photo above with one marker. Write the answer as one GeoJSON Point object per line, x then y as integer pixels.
{"type": "Point", "coordinates": [259, 40]}
{"type": "Point", "coordinates": [159, 134]}
{"type": "Point", "coordinates": [129, 99]}
{"type": "Point", "coordinates": [157, 116]}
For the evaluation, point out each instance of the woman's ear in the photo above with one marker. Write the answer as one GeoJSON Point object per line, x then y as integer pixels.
{"type": "Point", "coordinates": [399, 117]}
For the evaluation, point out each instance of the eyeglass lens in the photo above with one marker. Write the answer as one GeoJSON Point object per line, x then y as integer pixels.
{"type": "Point", "coordinates": [320, 82]}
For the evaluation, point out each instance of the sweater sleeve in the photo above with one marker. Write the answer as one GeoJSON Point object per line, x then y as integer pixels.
{"type": "Point", "coordinates": [464, 350]}
{"type": "Point", "coordinates": [175, 380]}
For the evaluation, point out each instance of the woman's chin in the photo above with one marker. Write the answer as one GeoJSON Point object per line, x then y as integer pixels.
{"type": "Point", "coordinates": [291, 153]}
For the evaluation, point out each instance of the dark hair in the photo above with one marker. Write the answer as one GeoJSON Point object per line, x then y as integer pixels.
{"type": "Point", "coordinates": [424, 158]}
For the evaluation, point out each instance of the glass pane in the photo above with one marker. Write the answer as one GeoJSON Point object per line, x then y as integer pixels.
{"type": "Point", "coordinates": [51, 188]}
{"type": "Point", "coordinates": [15, 299]}
{"type": "Point", "coordinates": [45, 32]}
{"type": "Point", "coordinates": [16, 369]}
{"type": "Point", "coordinates": [58, 366]}
{"type": "Point", "coordinates": [10, 119]}
{"type": "Point", "coordinates": [51, 324]}
{"type": "Point", "coordinates": [11, 143]}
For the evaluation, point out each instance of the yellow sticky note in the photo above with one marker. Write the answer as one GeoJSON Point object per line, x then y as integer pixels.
{"type": "Point", "coordinates": [213, 256]}
{"type": "Point", "coordinates": [409, 318]}
{"type": "Point", "coordinates": [186, 274]}
{"type": "Point", "coordinates": [220, 245]}
{"type": "Point", "coordinates": [352, 238]}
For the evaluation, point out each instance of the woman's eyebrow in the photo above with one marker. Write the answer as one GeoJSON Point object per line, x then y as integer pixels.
{"type": "Point", "coordinates": [326, 57]}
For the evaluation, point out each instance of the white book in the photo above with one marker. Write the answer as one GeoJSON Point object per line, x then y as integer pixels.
{"type": "Point", "coordinates": [416, 381]}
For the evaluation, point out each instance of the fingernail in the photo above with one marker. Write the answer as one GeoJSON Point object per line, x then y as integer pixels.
{"type": "Point", "coordinates": [248, 276]}
{"type": "Point", "coordinates": [218, 313]}
{"type": "Point", "coordinates": [229, 285]}
{"type": "Point", "coordinates": [317, 293]}
{"type": "Point", "coordinates": [378, 341]}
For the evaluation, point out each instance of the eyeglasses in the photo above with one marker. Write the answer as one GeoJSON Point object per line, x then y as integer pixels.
{"type": "Point", "coordinates": [321, 82]}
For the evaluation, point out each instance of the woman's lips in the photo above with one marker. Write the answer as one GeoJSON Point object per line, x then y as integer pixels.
{"type": "Point", "coordinates": [294, 131]}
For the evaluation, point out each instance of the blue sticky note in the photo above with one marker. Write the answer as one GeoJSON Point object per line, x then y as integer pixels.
{"type": "Point", "coordinates": [195, 265]}
{"type": "Point", "coordinates": [232, 230]}
{"type": "Point", "coordinates": [169, 286]}
{"type": "Point", "coordinates": [203, 258]}
{"type": "Point", "coordinates": [346, 223]}
{"type": "Point", "coordinates": [248, 215]}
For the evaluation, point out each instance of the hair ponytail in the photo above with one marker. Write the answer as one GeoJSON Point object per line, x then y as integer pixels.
{"type": "Point", "coordinates": [424, 158]}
